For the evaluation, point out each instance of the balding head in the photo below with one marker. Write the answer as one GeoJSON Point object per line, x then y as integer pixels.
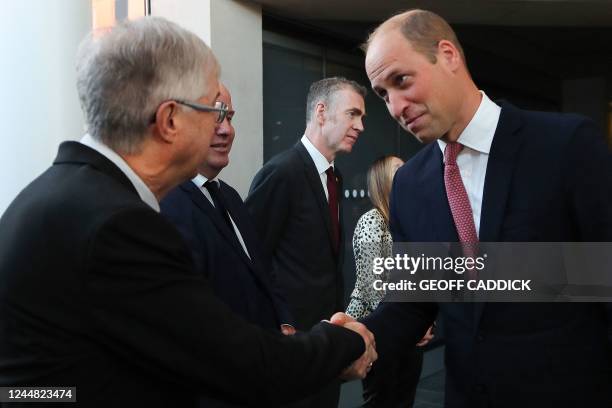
{"type": "Point", "coordinates": [423, 30]}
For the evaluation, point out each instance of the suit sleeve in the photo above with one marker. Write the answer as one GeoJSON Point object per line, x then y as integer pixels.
{"type": "Point", "coordinates": [282, 306]}
{"type": "Point", "coordinates": [589, 169]}
{"type": "Point", "coordinates": [149, 306]}
{"type": "Point", "coordinates": [396, 325]}
{"type": "Point", "coordinates": [268, 223]}
{"type": "Point", "coordinates": [394, 223]}
{"type": "Point", "coordinates": [269, 202]}
{"type": "Point", "coordinates": [181, 217]}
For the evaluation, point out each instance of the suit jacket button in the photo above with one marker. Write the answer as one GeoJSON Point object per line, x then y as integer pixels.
{"type": "Point", "coordinates": [480, 388]}
{"type": "Point", "coordinates": [480, 337]}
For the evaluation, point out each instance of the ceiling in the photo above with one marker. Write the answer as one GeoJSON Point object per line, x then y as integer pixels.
{"type": "Point", "coordinates": [541, 40]}
{"type": "Point", "coordinates": [563, 13]}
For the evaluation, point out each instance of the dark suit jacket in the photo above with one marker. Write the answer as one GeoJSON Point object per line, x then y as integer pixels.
{"type": "Point", "coordinates": [288, 206]}
{"type": "Point", "coordinates": [548, 179]}
{"type": "Point", "coordinates": [98, 291]}
{"type": "Point", "coordinates": [243, 283]}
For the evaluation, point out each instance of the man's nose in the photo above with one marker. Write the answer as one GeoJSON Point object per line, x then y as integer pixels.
{"type": "Point", "coordinates": [396, 105]}
{"type": "Point", "coordinates": [358, 125]}
{"type": "Point", "coordinates": [222, 128]}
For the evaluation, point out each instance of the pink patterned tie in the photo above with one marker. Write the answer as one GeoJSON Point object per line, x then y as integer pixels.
{"type": "Point", "coordinates": [458, 201]}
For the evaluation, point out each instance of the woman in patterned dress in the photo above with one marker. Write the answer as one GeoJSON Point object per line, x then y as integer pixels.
{"type": "Point", "coordinates": [390, 383]}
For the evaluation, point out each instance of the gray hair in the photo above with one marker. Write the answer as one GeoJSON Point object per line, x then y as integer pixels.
{"type": "Point", "coordinates": [324, 91]}
{"type": "Point", "coordinates": [124, 75]}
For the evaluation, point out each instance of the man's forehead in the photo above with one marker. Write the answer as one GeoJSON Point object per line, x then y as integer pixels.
{"type": "Point", "coordinates": [385, 50]}
{"type": "Point", "coordinates": [381, 45]}
{"type": "Point", "coordinates": [348, 96]}
{"type": "Point", "coordinates": [377, 63]}
{"type": "Point", "coordinates": [225, 97]}
{"type": "Point", "coordinates": [214, 90]}
{"type": "Point", "coordinates": [393, 24]}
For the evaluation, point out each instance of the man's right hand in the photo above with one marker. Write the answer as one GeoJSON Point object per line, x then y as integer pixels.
{"type": "Point", "coordinates": [361, 366]}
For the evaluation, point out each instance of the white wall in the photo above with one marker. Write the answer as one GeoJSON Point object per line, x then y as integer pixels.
{"type": "Point", "coordinates": [232, 28]}
{"type": "Point", "coordinates": [194, 15]}
{"type": "Point", "coordinates": [39, 103]}
{"type": "Point", "coordinates": [237, 43]}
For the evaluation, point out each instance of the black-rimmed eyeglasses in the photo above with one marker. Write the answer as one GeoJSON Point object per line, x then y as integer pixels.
{"type": "Point", "coordinates": [220, 107]}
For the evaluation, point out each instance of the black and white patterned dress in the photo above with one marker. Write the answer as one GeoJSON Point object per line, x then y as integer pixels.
{"type": "Point", "coordinates": [371, 239]}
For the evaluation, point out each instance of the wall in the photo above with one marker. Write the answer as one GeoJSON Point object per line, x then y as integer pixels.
{"type": "Point", "coordinates": [39, 103]}
{"type": "Point", "coordinates": [237, 42]}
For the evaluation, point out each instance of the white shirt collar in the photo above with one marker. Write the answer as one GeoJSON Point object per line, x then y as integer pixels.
{"type": "Point", "coordinates": [478, 134]}
{"type": "Point", "coordinates": [200, 180]}
{"type": "Point", "coordinates": [141, 188]}
{"type": "Point", "coordinates": [319, 160]}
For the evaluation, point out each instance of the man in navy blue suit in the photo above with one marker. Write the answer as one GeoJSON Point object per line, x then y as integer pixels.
{"type": "Point", "coordinates": [492, 172]}
{"type": "Point", "coordinates": [215, 224]}
{"type": "Point", "coordinates": [213, 220]}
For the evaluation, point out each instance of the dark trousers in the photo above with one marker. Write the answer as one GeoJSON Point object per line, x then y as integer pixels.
{"type": "Point", "coordinates": [393, 382]}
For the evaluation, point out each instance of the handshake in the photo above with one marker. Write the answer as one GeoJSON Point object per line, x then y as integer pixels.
{"type": "Point", "coordinates": [361, 366]}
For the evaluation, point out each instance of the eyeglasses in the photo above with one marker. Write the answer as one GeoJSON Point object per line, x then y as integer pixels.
{"type": "Point", "coordinates": [220, 107]}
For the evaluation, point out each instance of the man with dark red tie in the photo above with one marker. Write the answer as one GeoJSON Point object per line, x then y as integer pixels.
{"type": "Point", "coordinates": [294, 201]}
{"type": "Point", "coordinates": [492, 173]}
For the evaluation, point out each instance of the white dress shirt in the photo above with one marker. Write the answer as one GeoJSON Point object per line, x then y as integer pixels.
{"type": "Point", "coordinates": [476, 138]}
{"type": "Point", "coordinates": [143, 191]}
{"type": "Point", "coordinates": [199, 181]}
{"type": "Point", "coordinates": [320, 162]}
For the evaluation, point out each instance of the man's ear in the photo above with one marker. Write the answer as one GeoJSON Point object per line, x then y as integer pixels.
{"type": "Point", "coordinates": [449, 55]}
{"type": "Point", "coordinates": [320, 111]}
{"type": "Point", "coordinates": [166, 122]}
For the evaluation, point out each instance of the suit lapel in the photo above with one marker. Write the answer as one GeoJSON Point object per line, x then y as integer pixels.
{"type": "Point", "coordinates": [444, 227]}
{"type": "Point", "coordinates": [203, 204]}
{"type": "Point", "coordinates": [500, 168]}
{"type": "Point", "coordinates": [255, 264]}
{"type": "Point", "coordinates": [314, 181]}
{"type": "Point", "coordinates": [506, 144]}
{"type": "Point", "coordinates": [244, 230]}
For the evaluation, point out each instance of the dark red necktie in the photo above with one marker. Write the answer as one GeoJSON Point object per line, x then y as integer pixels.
{"type": "Point", "coordinates": [332, 191]}
{"type": "Point", "coordinates": [459, 202]}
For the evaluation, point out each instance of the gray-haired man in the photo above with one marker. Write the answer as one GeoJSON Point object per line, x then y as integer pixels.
{"type": "Point", "coordinates": [98, 291]}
